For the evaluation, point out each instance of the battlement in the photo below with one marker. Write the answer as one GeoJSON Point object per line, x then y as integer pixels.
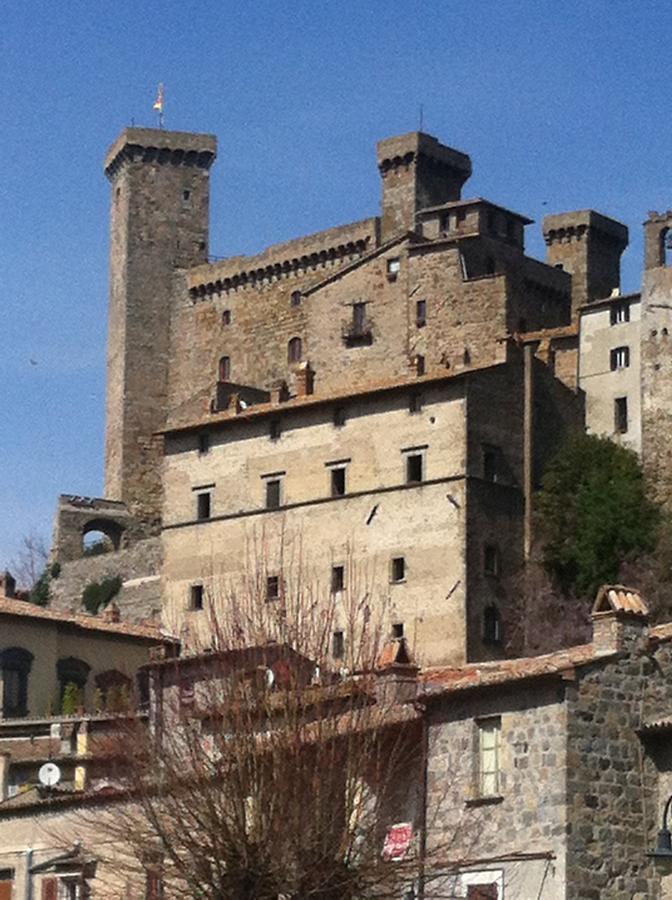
{"type": "Point", "coordinates": [177, 148]}
{"type": "Point", "coordinates": [295, 258]}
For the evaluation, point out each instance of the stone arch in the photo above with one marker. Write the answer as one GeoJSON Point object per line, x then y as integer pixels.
{"type": "Point", "coordinates": [112, 530]}
{"type": "Point", "coordinates": [79, 516]}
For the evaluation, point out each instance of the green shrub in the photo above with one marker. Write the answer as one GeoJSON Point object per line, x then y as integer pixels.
{"type": "Point", "coordinates": [72, 699]}
{"type": "Point", "coordinates": [593, 513]}
{"type": "Point", "coordinates": [98, 594]}
{"type": "Point", "coordinates": [39, 595]}
{"type": "Point", "coordinates": [55, 570]}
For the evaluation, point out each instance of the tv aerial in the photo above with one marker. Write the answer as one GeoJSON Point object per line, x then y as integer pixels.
{"type": "Point", "coordinates": [49, 775]}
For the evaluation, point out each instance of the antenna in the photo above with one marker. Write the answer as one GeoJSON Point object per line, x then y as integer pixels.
{"type": "Point", "coordinates": [49, 774]}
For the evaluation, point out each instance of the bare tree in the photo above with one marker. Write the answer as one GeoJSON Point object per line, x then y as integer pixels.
{"type": "Point", "coordinates": [279, 764]}
{"type": "Point", "coordinates": [30, 562]}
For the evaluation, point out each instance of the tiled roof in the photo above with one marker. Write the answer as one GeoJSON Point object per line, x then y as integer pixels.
{"type": "Point", "coordinates": [310, 400]}
{"type": "Point", "coordinates": [618, 598]}
{"type": "Point", "coordinates": [447, 679]}
{"type": "Point", "coordinates": [563, 331]}
{"type": "Point", "coordinates": [660, 634]}
{"type": "Point", "coordinates": [149, 632]}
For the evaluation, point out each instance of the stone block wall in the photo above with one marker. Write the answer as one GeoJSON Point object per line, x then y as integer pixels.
{"type": "Point", "coordinates": [138, 566]}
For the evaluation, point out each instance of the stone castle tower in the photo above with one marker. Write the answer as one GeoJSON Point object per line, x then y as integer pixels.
{"type": "Point", "coordinates": [159, 223]}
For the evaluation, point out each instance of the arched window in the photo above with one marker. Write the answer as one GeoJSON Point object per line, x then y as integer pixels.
{"type": "Point", "coordinates": [294, 350]}
{"type": "Point", "coordinates": [492, 625]}
{"type": "Point", "coordinates": [225, 368]}
{"type": "Point", "coordinates": [72, 671]}
{"type": "Point", "coordinates": [114, 691]}
{"type": "Point", "coordinates": [15, 663]}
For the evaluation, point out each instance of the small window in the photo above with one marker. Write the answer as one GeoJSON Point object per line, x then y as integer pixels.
{"type": "Point", "coordinates": [413, 468]}
{"type": "Point", "coordinates": [203, 442]}
{"type": "Point", "coordinates": [620, 358]}
{"type": "Point", "coordinates": [294, 350]}
{"type": "Point", "coordinates": [492, 625]}
{"type": "Point", "coordinates": [337, 579]}
{"type": "Point", "coordinates": [226, 317]}
{"type": "Point", "coordinates": [491, 563]}
{"type": "Point", "coordinates": [225, 368]}
{"type": "Point", "coordinates": [489, 742]}
{"type": "Point", "coordinates": [186, 195]}
{"type": "Point", "coordinates": [338, 481]}
{"type": "Point", "coordinates": [398, 630]}
{"type": "Point", "coordinates": [196, 596]}
{"type": "Point", "coordinates": [339, 416]}
{"type": "Point", "coordinates": [621, 415]}
{"type": "Point", "coordinates": [420, 364]}
{"type": "Point", "coordinates": [358, 317]}
{"type": "Point", "coordinates": [620, 313]}
{"type": "Point", "coordinates": [490, 464]}
{"type": "Point", "coordinates": [415, 400]}
{"type": "Point", "coordinates": [393, 268]}
{"type": "Point", "coordinates": [295, 298]}
{"type": "Point", "coordinates": [398, 569]}
{"type": "Point", "coordinates": [338, 645]}
{"type": "Point", "coordinates": [275, 429]}
{"type": "Point", "coordinates": [421, 313]}
{"type": "Point", "coordinates": [273, 493]}
{"type": "Point", "coordinates": [203, 506]}
{"type": "Point", "coordinates": [272, 587]}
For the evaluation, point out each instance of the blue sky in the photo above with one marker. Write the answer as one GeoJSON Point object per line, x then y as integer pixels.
{"type": "Point", "coordinates": [561, 106]}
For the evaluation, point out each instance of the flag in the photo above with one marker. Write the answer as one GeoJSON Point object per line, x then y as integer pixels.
{"type": "Point", "coordinates": [158, 103]}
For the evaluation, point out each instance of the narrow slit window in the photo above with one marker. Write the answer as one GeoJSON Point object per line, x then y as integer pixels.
{"type": "Point", "coordinates": [421, 313]}
{"type": "Point", "coordinates": [413, 468]}
{"type": "Point", "coordinates": [196, 596]}
{"type": "Point", "coordinates": [398, 569]}
{"type": "Point", "coordinates": [337, 579]}
{"type": "Point", "coordinates": [398, 630]}
{"type": "Point", "coordinates": [339, 416]}
{"type": "Point", "coordinates": [294, 350]}
{"type": "Point", "coordinates": [296, 298]}
{"type": "Point", "coordinates": [338, 481]}
{"type": "Point", "coordinates": [620, 313]}
{"type": "Point", "coordinates": [338, 645]}
{"type": "Point", "coordinates": [273, 493]}
{"type": "Point", "coordinates": [203, 442]}
{"type": "Point", "coordinates": [272, 588]}
{"type": "Point", "coordinates": [226, 317]}
{"type": "Point", "coordinates": [492, 625]}
{"type": "Point", "coordinates": [203, 505]}
{"type": "Point", "coordinates": [489, 742]}
{"type": "Point", "coordinates": [621, 415]}
{"type": "Point", "coordinates": [491, 561]}
{"type": "Point", "coordinates": [358, 317]}
{"type": "Point", "coordinates": [275, 429]}
{"type": "Point", "coordinates": [225, 368]}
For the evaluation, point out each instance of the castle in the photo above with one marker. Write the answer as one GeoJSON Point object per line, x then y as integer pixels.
{"type": "Point", "coordinates": [372, 402]}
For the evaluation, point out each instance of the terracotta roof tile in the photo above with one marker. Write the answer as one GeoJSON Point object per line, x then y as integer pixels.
{"type": "Point", "coordinates": [618, 598]}
{"type": "Point", "coordinates": [12, 607]}
{"type": "Point", "coordinates": [447, 679]}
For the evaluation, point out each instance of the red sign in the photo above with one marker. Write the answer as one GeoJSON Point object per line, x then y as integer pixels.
{"type": "Point", "coordinates": [397, 841]}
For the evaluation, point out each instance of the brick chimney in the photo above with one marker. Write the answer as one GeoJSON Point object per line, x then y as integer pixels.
{"type": "Point", "coordinates": [396, 673]}
{"type": "Point", "coordinates": [7, 585]}
{"type": "Point", "coordinates": [111, 613]}
{"type": "Point", "coordinates": [303, 380]}
{"type": "Point", "coordinates": [620, 618]}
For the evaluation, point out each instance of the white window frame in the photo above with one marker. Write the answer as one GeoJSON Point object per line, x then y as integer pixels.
{"type": "Point", "coordinates": [489, 756]}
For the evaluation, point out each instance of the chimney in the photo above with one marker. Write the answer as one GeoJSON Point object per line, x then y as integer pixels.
{"type": "Point", "coordinates": [111, 613]}
{"type": "Point", "coordinates": [396, 673]}
{"type": "Point", "coordinates": [418, 172]}
{"type": "Point", "coordinates": [619, 616]}
{"type": "Point", "coordinates": [303, 380]}
{"type": "Point", "coordinates": [279, 392]}
{"type": "Point", "coordinates": [7, 585]}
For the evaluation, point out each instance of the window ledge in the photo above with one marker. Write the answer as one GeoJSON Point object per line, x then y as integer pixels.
{"type": "Point", "coordinates": [484, 801]}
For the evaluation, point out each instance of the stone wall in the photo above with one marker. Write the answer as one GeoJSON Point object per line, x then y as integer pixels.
{"type": "Point", "coordinates": [139, 568]}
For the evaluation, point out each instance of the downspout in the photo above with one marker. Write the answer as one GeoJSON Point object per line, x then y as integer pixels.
{"type": "Point", "coordinates": [528, 424]}
{"type": "Point", "coordinates": [423, 805]}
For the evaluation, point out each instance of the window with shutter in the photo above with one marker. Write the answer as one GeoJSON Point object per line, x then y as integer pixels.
{"type": "Point", "coordinates": [49, 889]}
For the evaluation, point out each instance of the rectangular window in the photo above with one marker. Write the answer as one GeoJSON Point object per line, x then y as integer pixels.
{"type": "Point", "coordinates": [338, 481]}
{"type": "Point", "coordinates": [272, 587]}
{"type": "Point", "coordinates": [421, 313]}
{"type": "Point", "coordinates": [621, 415]}
{"type": "Point", "coordinates": [275, 429]}
{"type": "Point", "coordinates": [273, 490]}
{"type": "Point", "coordinates": [196, 594]}
{"type": "Point", "coordinates": [203, 505]}
{"type": "Point", "coordinates": [338, 645]}
{"type": "Point", "coordinates": [397, 569]}
{"type": "Point", "coordinates": [203, 442]}
{"type": "Point", "coordinates": [393, 267]}
{"type": "Point", "coordinates": [398, 630]}
{"type": "Point", "coordinates": [337, 579]}
{"type": "Point", "coordinates": [489, 741]}
{"type": "Point", "coordinates": [415, 400]}
{"type": "Point", "coordinates": [358, 317]}
{"type": "Point", "coordinates": [413, 468]}
{"type": "Point", "coordinates": [620, 313]}
{"type": "Point", "coordinates": [226, 317]}
{"type": "Point", "coordinates": [620, 358]}
{"type": "Point", "coordinates": [339, 416]}
{"type": "Point", "coordinates": [491, 560]}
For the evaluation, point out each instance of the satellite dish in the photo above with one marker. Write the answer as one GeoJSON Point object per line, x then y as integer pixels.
{"type": "Point", "coordinates": [49, 774]}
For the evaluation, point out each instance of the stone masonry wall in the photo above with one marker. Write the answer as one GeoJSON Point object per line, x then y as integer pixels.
{"type": "Point", "coordinates": [138, 566]}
